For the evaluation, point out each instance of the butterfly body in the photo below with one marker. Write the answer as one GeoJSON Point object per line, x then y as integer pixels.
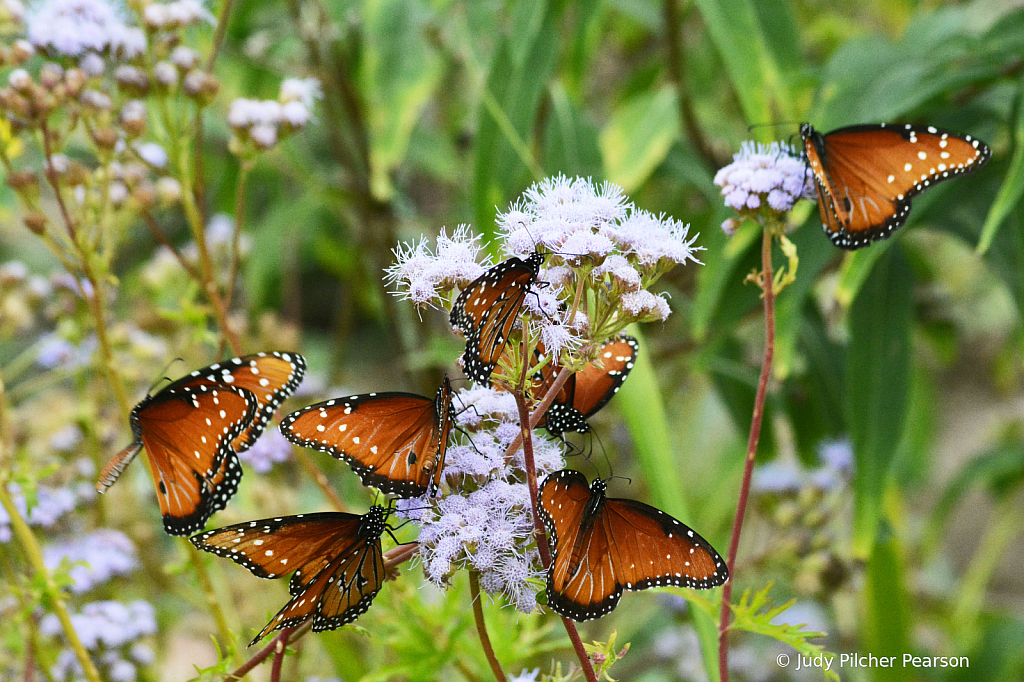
{"type": "Point", "coordinates": [193, 428]}
{"type": "Point", "coordinates": [395, 442]}
{"type": "Point", "coordinates": [866, 175]}
{"type": "Point", "coordinates": [587, 391]}
{"type": "Point", "coordinates": [335, 559]}
{"type": "Point", "coordinates": [486, 310]}
{"type": "Point", "coordinates": [603, 546]}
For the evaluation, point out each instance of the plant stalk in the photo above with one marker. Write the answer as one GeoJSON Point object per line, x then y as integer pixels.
{"type": "Point", "coordinates": [766, 282]}
{"type": "Point", "coordinates": [481, 626]}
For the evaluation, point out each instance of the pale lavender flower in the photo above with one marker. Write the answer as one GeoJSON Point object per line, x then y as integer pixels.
{"type": "Point", "coordinates": [57, 352]}
{"type": "Point", "coordinates": [304, 90]}
{"type": "Point", "coordinates": [95, 558]}
{"type": "Point", "coordinates": [153, 154]}
{"type": "Point", "coordinates": [777, 477]}
{"type": "Point", "coordinates": [264, 135]}
{"type": "Point", "coordinates": [19, 79]}
{"type": "Point", "coordinates": [424, 277]}
{"type": "Point", "coordinates": [295, 114]}
{"type": "Point", "coordinates": [272, 448]}
{"type": "Point", "coordinates": [166, 73]}
{"type": "Point", "coordinates": [105, 628]}
{"type": "Point", "coordinates": [76, 27]}
{"type": "Point", "coordinates": [773, 174]}
{"type": "Point", "coordinates": [837, 454]}
{"type": "Point", "coordinates": [92, 64]}
{"type": "Point", "coordinates": [66, 439]}
{"type": "Point", "coordinates": [619, 272]}
{"type": "Point", "coordinates": [184, 57]}
{"type": "Point", "coordinates": [645, 306]}
{"type": "Point", "coordinates": [526, 676]}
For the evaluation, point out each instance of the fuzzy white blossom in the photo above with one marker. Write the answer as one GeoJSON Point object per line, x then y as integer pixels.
{"type": "Point", "coordinates": [304, 90]}
{"type": "Point", "coordinates": [421, 276]}
{"type": "Point", "coordinates": [76, 27]}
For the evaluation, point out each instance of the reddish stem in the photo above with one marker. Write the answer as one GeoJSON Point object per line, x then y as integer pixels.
{"type": "Point", "coordinates": [755, 435]}
{"type": "Point", "coordinates": [481, 627]}
{"type": "Point", "coordinates": [279, 651]}
{"type": "Point", "coordinates": [263, 653]}
{"type": "Point", "coordinates": [542, 538]}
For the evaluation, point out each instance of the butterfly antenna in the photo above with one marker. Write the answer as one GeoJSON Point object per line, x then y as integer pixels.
{"type": "Point", "coordinates": [163, 378]}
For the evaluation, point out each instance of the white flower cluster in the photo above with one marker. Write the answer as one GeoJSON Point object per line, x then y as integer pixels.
{"type": "Point", "coordinates": [774, 175]}
{"type": "Point", "coordinates": [74, 28]}
{"type": "Point", "coordinates": [424, 277]}
{"type": "Point", "coordinates": [177, 14]}
{"type": "Point", "coordinates": [263, 120]}
{"type": "Point", "coordinates": [490, 528]}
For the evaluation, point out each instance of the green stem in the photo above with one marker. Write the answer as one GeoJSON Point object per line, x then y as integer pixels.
{"type": "Point", "coordinates": [1005, 527]}
{"type": "Point", "coordinates": [35, 557]}
{"type": "Point", "coordinates": [227, 638]}
{"type": "Point", "coordinates": [766, 281]}
{"type": "Point", "coordinates": [481, 626]}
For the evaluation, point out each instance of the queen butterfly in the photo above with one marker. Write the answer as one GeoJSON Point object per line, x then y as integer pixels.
{"type": "Point", "coordinates": [867, 174]}
{"type": "Point", "coordinates": [395, 442]}
{"type": "Point", "coordinates": [193, 428]}
{"type": "Point", "coordinates": [335, 559]}
{"type": "Point", "coordinates": [588, 390]}
{"type": "Point", "coordinates": [602, 546]}
{"type": "Point", "coordinates": [486, 310]}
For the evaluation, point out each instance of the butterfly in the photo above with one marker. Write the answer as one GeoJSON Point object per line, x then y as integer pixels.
{"type": "Point", "coordinates": [335, 559]}
{"type": "Point", "coordinates": [395, 442]}
{"type": "Point", "coordinates": [486, 310]}
{"type": "Point", "coordinates": [588, 390]}
{"type": "Point", "coordinates": [602, 546]}
{"type": "Point", "coordinates": [867, 174]}
{"type": "Point", "coordinates": [193, 428]}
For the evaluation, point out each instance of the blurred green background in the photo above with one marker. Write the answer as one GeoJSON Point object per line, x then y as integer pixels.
{"type": "Point", "coordinates": [908, 354]}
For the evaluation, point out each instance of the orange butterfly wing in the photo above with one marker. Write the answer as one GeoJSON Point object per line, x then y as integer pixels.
{"type": "Point", "coordinates": [271, 377]}
{"type": "Point", "coordinates": [590, 389]}
{"type": "Point", "coordinates": [337, 559]}
{"type": "Point", "coordinates": [395, 442]}
{"type": "Point", "coordinates": [486, 311]}
{"type": "Point", "coordinates": [603, 546]}
{"type": "Point", "coordinates": [866, 175]}
{"type": "Point", "coordinates": [187, 433]}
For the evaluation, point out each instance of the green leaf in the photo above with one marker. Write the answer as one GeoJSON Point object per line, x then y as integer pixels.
{"type": "Point", "coordinates": [877, 385]}
{"type": "Point", "coordinates": [638, 137]}
{"type": "Point", "coordinates": [571, 145]}
{"type": "Point", "coordinates": [886, 629]}
{"type": "Point", "coordinates": [740, 39]}
{"type": "Point", "coordinates": [399, 74]}
{"type": "Point", "coordinates": [520, 70]}
{"type": "Point", "coordinates": [755, 613]}
{"type": "Point", "coordinates": [641, 404]}
{"type": "Point", "coordinates": [1013, 182]}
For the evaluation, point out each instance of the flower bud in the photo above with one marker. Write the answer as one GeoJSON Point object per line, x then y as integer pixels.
{"type": "Point", "coordinates": [51, 74]}
{"type": "Point", "coordinates": [166, 74]}
{"type": "Point", "coordinates": [184, 58]}
{"type": "Point", "coordinates": [36, 222]}
{"type": "Point", "coordinates": [133, 118]}
{"type": "Point", "coordinates": [144, 195]}
{"type": "Point", "coordinates": [94, 99]}
{"type": "Point", "coordinates": [132, 80]}
{"type": "Point", "coordinates": [200, 86]}
{"type": "Point", "coordinates": [76, 174]}
{"type": "Point", "coordinates": [105, 138]}
{"type": "Point", "coordinates": [168, 190]}
{"type": "Point", "coordinates": [22, 51]}
{"type": "Point", "coordinates": [20, 80]}
{"type": "Point", "coordinates": [24, 182]}
{"type": "Point", "coordinates": [74, 81]}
